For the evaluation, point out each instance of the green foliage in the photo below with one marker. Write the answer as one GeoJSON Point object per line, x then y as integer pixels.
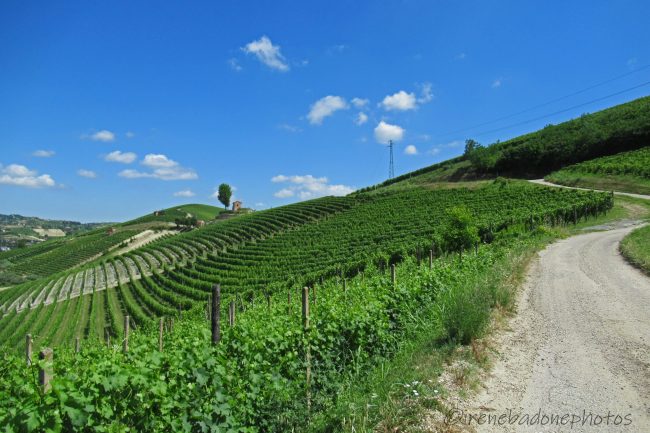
{"type": "Point", "coordinates": [224, 194]}
{"type": "Point", "coordinates": [635, 163]}
{"type": "Point", "coordinates": [635, 247]}
{"type": "Point", "coordinates": [460, 232]}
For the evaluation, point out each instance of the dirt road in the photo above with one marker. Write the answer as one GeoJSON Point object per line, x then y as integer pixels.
{"type": "Point", "coordinates": [579, 342]}
{"type": "Point", "coordinates": [628, 194]}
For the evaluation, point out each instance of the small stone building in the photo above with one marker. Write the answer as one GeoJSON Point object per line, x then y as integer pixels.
{"type": "Point", "coordinates": [236, 205]}
{"type": "Point", "coordinates": [200, 223]}
{"type": "Point", "coordinates": [110, 231]}
{"type": "Point", "coordinates": [159, 213]}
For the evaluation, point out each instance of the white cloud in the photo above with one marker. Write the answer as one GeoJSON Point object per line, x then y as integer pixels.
{"type": "Point", "coordinates": [325, 107]}
{"type": "Point", "coordinates": [434, 151]}
{"type": "Point", "coordinates": [158, 160]}
{"type": "Point", "coordinates": [361, 119]}
{"type": "Point", "coordinates": [284, 193]}
{"type": "Point", "coordinates": [359, 103]}
{"type": "Point", "coordinates": [43, 153]}
{"type": "Point", "coordinates": [426, 93]}
{"type": "Point", "coordinates": [184, 193]}
{"type": "Point", "coordinates": [308, 186]}
{"type": "Point", "coordinates": [497, 83]}
{"type": "Point", "coordinates": [122, 157]}
{"type": "Point", "coordinates": [87, 173]}
{"type": "Point", "coordinates": [384, 132]}
{"type": "Point", "coordinates": [400, 101]}
{"type": "Point", "coordinates": [234, 64]}
{"type": "Point", "coordinates": [103, 135]}
{"type": "Point", "coordinates": [163, 169]}
{"type": "Point", "coordinates": [410, 150]}
{"type": "Point", "coordinates": [460, 56]}
{"type": "Point", "coordinates": [289, 128]}
{"type": "Point", "coordinates": [129, 134]}
{"type": "Point", "coordinates": [267, 53]}
{"type": "Point", "coordinates": [19, 175]}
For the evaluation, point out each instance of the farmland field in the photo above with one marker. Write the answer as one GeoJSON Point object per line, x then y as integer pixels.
{"type": "Point", "coordinates": [340, 247]}
{"type": "Point", "coordinates": [626, 172]}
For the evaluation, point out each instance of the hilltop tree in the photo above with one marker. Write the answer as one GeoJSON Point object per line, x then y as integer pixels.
{"type": "Point", "coordinates": [225, 193]}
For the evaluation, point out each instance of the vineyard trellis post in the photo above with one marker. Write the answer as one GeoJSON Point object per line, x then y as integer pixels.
{"type": "Point", "coordinates": [28, 349]}
{"type": "Point", "coordinates": [393, 277]}
{"type": "Point", "coordinates": [160, 334]}
{"type": "Point", "coordinates": [107, 334]}
{"type": "Point", "coordinates": [231, 314]}
{"type": "Point", "coordinates": [430, 259]}
{"type": "Point", "coordinates": [289, 301]}
{"type": "Point", "coordinates": [125, 345]}
{"type": "Point", "coordinates": [77, 345]}
{"type": "Point", "coordinates": [305, 325]}
{"type": "Point", "coordinates": [46, 371]}
{"type": "Point", "coordinates": [216, 314]}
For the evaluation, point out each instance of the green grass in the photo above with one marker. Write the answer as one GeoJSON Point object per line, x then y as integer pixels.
{"type": "Point", "coordinates": [200, 211]}
{"type": "Point", "coordinates": [606, 182]}
{"type": "Point", "coordinates": [635, 247]}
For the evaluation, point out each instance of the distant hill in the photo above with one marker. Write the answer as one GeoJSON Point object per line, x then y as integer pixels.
{"type": "Point", "coordinates": [200, 211]}
{"type": "Point", "coordinates": [18, 230]}
{"type": "Point", "coordinates": [617, 129]}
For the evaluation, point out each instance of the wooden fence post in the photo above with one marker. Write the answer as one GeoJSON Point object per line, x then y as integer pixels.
{"type": "Point", "coordinates": [160, 334]}
{"type": "Point", "coordinates": [107, 334]}
{"type": "Point", "coordinates": [216, 313]}
{"type": "Point", "coordinates": [28, 349]}
{"type": "Point", "coordinates": [231, 314]}
{"type": "Point", "coordinates": [305, 325]}
{"type": "Point", "coordinates": [430, 259]}
{"type": "Point", "coordinates": [345, 285]}
{"type": "Point", "coordinates": [46, 371]}
{"type": "Point", "coordinates": [289, 301]}
{"type": "Point", "coordinates": [393, 277]}
{"type": "Point", "coordinates": [77, 345]}
{"type": "Point", "coordinates": [125, 346]}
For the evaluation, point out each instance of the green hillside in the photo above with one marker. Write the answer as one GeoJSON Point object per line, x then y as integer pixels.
{"type": "Point", "coordinates": [617, 129]}
{"type": "Point", "coordinates": [200, 211]}
{"type": "Point", "coordinates": [626, 171]}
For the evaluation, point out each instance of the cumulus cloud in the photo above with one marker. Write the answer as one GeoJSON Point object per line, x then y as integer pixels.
{"type": "Point", "coordinates": [122, 157]}
{"type": "Point", "coordinates": [129, 134]}
{"type": "Point", "coordinates": [325, 107]}
{"type": "Point", "coordinates": [400, 101]}
{"type": "Point", "coordinates": [361, 118]}
{"type": "Point", "coordinates": [43, 153]}
{"type": "Point", "coordinates": [497, 83]}
{"type": "Point", "coordinates": [460, 56]}
{"type": "Point", "coordinates": [19, 175]}
{"type": "Point", "coordinates": [103, 135]}
{"type": "Point", "coordinates": [184, 193]}
{"type": "Point", "coordinates": [267, 53]}
{"type": "Point", "coordinates": [384, 132]}
{"type": "Point", "coordinates": [410, 150]}
{"type": "Point", "coordinates": [163, 168]}
{"type": "Point", "coordinates": [87, 173]}
{"type": "Point", "coordinates": [434, 151]}
{"type": "Point", "coordinates": [308, 187]}
{"type": "Point", "coordinates": [359, 102]}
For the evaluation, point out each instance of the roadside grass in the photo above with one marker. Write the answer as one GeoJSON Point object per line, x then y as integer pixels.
{"type": "Point", "coordinates": [398, 394]}
{"type": "Point", "coordinates": [635, 247]}
{"type": "Point", "coordinates": [631, 184]}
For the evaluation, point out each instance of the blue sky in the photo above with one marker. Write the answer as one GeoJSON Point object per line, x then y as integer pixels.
{"type": "Point", "coordinates": [135, 106]}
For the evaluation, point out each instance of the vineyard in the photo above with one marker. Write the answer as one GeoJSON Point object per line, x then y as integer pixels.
{"type": "Point", "coordinates": [627, 171]}
{"type": "Point", "coordinates": [358, 311]}
{"type": "Point", "coordinates": [266, 253]}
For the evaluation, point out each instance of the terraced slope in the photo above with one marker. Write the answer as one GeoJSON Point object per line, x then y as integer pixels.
{"type": "Point", "coordinates": [270, 251]}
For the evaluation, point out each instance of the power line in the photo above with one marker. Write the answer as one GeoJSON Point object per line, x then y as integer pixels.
{"type": "Point", "coordinates": [564, 110]}
{"type": "Point", "coordinates": [544, 104]}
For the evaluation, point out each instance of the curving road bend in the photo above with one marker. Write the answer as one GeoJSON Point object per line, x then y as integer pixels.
{"type": "Point", "coordinates": [580, 342]}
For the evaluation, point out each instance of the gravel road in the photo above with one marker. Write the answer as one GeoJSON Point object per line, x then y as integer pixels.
{"type": "Point", "coordinates": [579, 342]}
